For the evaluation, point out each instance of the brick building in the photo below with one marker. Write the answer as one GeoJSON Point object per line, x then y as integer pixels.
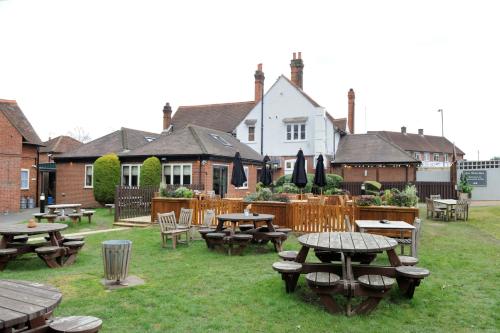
{"type": "Point", "coordinates": [19, 152]}
{"type": "Point", "coordinates": [193, 156]}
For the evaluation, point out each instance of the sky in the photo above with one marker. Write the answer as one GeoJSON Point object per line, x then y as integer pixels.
{"type": "Point", "coordinates": [102, 65]}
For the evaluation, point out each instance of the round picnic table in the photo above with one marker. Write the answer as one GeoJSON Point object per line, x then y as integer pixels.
{"type": "Point", "coordinates": [26, 304]}
{"type": "Point", "coordinates": [53, 229]}
{"type": "Point", "coordinates": [240, 217]}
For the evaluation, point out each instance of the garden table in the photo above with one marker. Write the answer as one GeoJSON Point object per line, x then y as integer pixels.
{"type": "Point", "coordinates": [365, 225]}
{"type": "Point", "coordinates": [449, 203]}
{"type": "Point", "coordinates": [62, 207]}
{"type": "Point", "coordinates": [24, 306]}
{"type": "Point", "coordinates": [9, 231]}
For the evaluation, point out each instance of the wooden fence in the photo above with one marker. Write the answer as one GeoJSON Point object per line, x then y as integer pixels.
{"type": "Point", "coordinates": [424, 189]}
{"type": "Point", "coordinates": [133, 201]}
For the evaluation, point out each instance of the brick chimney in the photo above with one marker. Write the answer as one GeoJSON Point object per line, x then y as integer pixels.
{"type": "Point", "coordinates": [297, 66]}
{"type": "Point", "coordinates": [350, 110]}
{"type": "Point", "coordinates": [259, 83]}
{"type": "Point", "coordinates": [167, 116]}
{"type": "Point", "coordinates": [403, 129]}
{"type": "Point", "coordinates": [420, 131]}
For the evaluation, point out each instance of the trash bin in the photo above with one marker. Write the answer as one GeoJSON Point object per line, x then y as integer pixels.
{"type": "Point", "coordinates": [116, 258]}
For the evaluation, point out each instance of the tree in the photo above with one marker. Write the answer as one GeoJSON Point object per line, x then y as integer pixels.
{"type": "Point", "coordinates": [496, 158]}
{"type": "Point", "coordinates": [151, 172]}
{"type": "Point", "coordinates": [106, 178]}
{"type": "Point", "coordinates": [80, 134]}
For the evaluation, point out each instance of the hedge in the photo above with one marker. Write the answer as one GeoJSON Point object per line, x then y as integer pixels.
{"type": "Point", "coordinates": [151, 172]}
{"type": "Point", "coordinates": [106, 178]}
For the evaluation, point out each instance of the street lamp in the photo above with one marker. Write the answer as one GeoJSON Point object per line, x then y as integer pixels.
{"type": "Point", "coordinates": [442, 126]}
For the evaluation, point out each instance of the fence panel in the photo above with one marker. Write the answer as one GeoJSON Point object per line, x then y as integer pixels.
{"type": "Point", "coordinates": [424, 189]}
{"type": "Point", "coordinates": [133, 201]}
{"type": "Point", "coordinates": [312, 217]}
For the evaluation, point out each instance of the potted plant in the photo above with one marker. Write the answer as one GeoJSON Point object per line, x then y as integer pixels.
{"type": "Point", "coordinates": [464, 188]}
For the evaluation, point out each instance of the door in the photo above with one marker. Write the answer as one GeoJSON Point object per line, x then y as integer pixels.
{"type": "Point", "coordinates": [219, 180]}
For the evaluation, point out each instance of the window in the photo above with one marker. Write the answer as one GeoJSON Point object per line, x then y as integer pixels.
{"type": "Point", "coordinates": [220, 139]}
{"type": "Point", "coordinates": [295, 132]}
{"type": "Point", "coordinates": [289, 164]}
{"type": "Point", "coordinates": [130, 174]}
{"type": "Point", "coordinates": [251, 133]}
{"type": "Point", "coordinates": [245, 184]}
{"type": "Point", "coordinates": [177, 174]}
{"type": "Point", "coordinates": [89, 176]}
{"type": "Point", "coordinates": [436, 157]}
{"type": "Point", "coordinates": [445, 157]}
{"type": "Point", "coordinates": [25, 179]}
{"type": "Point", "coordinates": [426, 157]}
{"type": "Point", "coordinates": [417, 155]}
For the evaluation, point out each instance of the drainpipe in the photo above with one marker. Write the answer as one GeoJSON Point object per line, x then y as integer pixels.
{"type": "Point", "coordinates": [262, 122]}
{"type": "Point", "coordinates": [37, 175]}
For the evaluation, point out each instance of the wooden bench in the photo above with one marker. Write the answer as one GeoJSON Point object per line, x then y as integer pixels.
{"type": "Point", "coordinates": [73, 247]}
{"type": "Point", "coordinates": [277, 238]}
{"type": "Point", "coordinates": [73, 238]}
{"type": "Point", "coordinates": [5, 256]}
{"type": "Point", "coordinates": [215, 239]}
{"type": "Point", "coordinates": [241, 240]}
{"type": "Point", "coordinates": [245, 227]}
{"type": "Point", "coordinates": [110, 207]}
{"type": "Point", "coordinates": [288, 255]}
{"type": "Point", "coordinates": [285, 230]}
{"type": "Point", "coordinates": [39, 216]}
{"type": "Point", "coordinates": [52, 255]}
{"type": "Point", "coordinates": [50, 217]}
{"type": "Point", "coordinates": [409, 278]}
{"type": "Point", "coordinates": [378, 282]}
{"type": "Point", "coordinates": [289, 271]}
{"type": "Point", "coordinates": [74, 324]}
{"type": "Point", "coordinates": [88, 214]}
{"type": "Point", "coordinates": [75, 217]}
{"type": "Point", "coordinates": [408, 260]}
{"type": "Point", "coordinates": [321, 283]}
{"type": "Point", "coordinates": [22, 239]}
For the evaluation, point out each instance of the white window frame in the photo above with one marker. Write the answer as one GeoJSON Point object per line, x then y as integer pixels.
{"type": "Point", "coordinates": [182, 165]}
{"type": "Point", "coordinates": [28, 179]}
{"type": "Point", "coordinates": [434, 157]}
{"type": "Point", "coordinates": [292, 132]}
{"type": "Point", "coordinates": [445, 157]}
{"type": "Point", "coordinates": [427, 157]}
{"type": "Point", "coordinates": [251, 126]}
{"type": "Point", "coordinates": [289, 171]}
{"type": "Point", "coordinates": [130, 165]}
{"type": "Point", "coordinates": [417, 155]}
{"type": "Point", "coordinates": [85, 176]}
{"type": "Point", "coordinates": [245, 184]}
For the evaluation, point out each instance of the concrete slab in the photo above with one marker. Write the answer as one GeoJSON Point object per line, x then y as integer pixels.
{"type": "Point", "coordinates": [130, 281]}
{"type": "Point", "coordinates": [23, 215]}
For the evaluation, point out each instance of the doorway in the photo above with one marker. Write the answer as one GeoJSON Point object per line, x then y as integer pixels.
{"type": "Point", "coordinates": [219, 180]}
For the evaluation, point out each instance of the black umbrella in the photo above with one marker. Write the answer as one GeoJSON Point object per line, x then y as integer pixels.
{"type": "Point", "coordinates": [299, 176]}
{"type": "Point", "coordinates": [238, 177]}
{"type": "Point", "coordinates": [319, 175]}
{"type": "Point", "coordinates": [265, 175]}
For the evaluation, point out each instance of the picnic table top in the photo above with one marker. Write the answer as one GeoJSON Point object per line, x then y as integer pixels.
{"type": "Point", "coordinates": [446, 201]}
{"type": "Point", "coordinates": [23, 301]}
{"type": "Point", "coordinates": [22, 229]}
{"type": "Point", "coordinates": [58, 206]}
{"type": "Point", "coordinates": [348, 242]}
{"type": "Point", "coordinates": [376, 224]}
{"type": "Point", "coordinates": [243, 217]}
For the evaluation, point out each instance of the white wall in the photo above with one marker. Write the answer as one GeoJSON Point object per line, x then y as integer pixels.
{"type": "Point", "coordinates": [433, 175]}
{"type": "Point", "coordinates": [492, 190]}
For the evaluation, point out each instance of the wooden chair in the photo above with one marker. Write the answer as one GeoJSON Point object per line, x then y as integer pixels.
{"type": "Point", "coordinates": [407, 241]}
{"type": "Point", "coordinates": [168, 228]}
{"type": "Point", "coordinates": [186, 220]}
{"type": "Point", "coordinates": [461, 211]}
{"type": "Point", "coordinates": [435, 196]}
{"type": "Point", "coordinates": [434, 210]}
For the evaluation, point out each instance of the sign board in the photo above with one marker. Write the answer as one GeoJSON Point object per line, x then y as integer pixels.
{"type": "Point", "coordinates": [476, 177]}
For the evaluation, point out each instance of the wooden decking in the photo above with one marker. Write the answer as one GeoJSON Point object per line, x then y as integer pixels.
{"type": "Point", "coordinates": [140, 222]}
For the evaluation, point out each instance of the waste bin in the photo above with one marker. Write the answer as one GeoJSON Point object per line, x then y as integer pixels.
{"type": "Point", "coordinates": [116, 258]}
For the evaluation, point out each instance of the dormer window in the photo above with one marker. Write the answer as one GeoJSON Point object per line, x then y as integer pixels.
{"type": "Point", "coordinates": [149, 138]}
{"type": "Point", "coordinates": [220, 139]}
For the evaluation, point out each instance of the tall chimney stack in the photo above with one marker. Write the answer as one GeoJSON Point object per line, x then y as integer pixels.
{"type": "Point", "coordinates": [350, 110]}
{"type": "Point", "coordinates": [420, 131]}
{"type": "Point", "coordinates": [167, 116]}
{"type": "Point", "coordinates": [403, 129]}
{"type": "Point", "coordinates": [297, 66]}
{"type": "Point", "coordinates": [259, 83]}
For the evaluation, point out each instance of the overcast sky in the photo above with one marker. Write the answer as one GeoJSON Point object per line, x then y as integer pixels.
{"type": "Point", "coordinates": [106, 64]}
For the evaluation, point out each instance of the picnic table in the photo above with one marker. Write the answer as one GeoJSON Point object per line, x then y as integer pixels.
{"type": "Point", "coordinates": [56, 252]}
{"type": "Point", "coordinates": [449, 204]}
{"type": "Point", "coordinates": [348, 279]}
{"type": "Point", "coordinates": [365, 225]}
{"type": "Point", "coordinates": [236, 218]}
{"type": "Point", "coordinates": [26, 304]}
{"type": "Point", "coordinates": [52, 208]}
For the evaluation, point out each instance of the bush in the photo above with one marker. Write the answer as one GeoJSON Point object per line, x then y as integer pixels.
{"type": "Point", "coordinates": [463, 184]}
{"type": "Point", "coordinates": [181, 192]}
{"type": "Point", "coordinates": [333, 181]}
{"type": "Point", "coordinates": [151, 172]}
{"type": "Point", "coordinates": [367, 200]}
{"type": "Point", "coordinates": [406, 198]}
{"type": "Point", "coordinates": [106, 178]}
{"type": "Point", "coordinates": [265, 194]}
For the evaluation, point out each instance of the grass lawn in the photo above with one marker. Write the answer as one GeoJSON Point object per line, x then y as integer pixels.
{"type": "Point", "coordinates": [194, 290]}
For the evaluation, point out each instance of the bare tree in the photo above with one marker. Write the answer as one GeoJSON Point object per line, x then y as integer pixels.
{"type": "Point", "coordinates": [80, 134]}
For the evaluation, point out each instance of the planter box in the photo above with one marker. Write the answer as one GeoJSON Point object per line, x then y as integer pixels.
{"type": "Point", "coordinates": [165, 205]}
{"type": "Point", "coordinates": [394, 213]}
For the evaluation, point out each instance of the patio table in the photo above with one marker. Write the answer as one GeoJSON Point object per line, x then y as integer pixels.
{"type": "Point", "coordinates": [26, 305]}
{"type": "Point", "coordinates": [62, 207]}
{"type": "Point", "coordinates": [449, 203]}
{"type": "Point", "coordinates": [365, 225]}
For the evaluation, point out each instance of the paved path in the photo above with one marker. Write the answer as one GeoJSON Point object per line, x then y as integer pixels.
{"type": "Point", "coordinates": [23, 215]}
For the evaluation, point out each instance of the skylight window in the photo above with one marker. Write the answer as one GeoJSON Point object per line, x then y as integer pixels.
{"type": "Point", "coordinates": [149, 138]}
{"type": "Point", "coordinates": [220, 139]}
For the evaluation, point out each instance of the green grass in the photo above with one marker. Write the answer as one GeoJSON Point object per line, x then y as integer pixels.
{"type": "Point", "coordinates": [194, 290]}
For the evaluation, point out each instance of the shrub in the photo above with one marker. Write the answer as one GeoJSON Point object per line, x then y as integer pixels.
{"type": "Point", "coordinates": [106, 178]}
{"type": "Point", "coordinates": [151, 172]}
{"type": "Point", "coordinates": [463, 184]}
{"type": "Point", "coordinates": [333, 181]}
{"type": "Point", "coordinates": [181, 192]}
{"type": "Point", "coordinates": [367, 200]}
{"type": "Point", "coordinates": [265, 194]}
{"type": "Point", "coordinates": [406, 198]}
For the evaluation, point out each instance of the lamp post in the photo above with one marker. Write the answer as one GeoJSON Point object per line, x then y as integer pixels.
{"type": "Point", "coordinates": [442, 124]}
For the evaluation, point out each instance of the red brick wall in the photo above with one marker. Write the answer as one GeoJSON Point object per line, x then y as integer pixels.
{"type": "Point", "coordinates": [70, 178]}
{"type": "Point", "coordinates": [28, 160]}
{"type": "Point", "coordinates": [387, 174]}
{"type": "Point", "coordinates": [10, 166]}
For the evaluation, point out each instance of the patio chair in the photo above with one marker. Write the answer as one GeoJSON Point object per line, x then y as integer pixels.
{"type": "Point", "coordinates": [461, 211]}
{"type": "Point", "coordinates": [407, 241]}
{"type": "Point", "coordinates": [433, 210]}
{"type": "Point", "coordinates": [168, 228]}
{"type": "Point", "coordinates": [206, 225]}
{"type": "Point", "coordinates": [435, 196]}
{"type": "Point", "coordinates": [186, 220]}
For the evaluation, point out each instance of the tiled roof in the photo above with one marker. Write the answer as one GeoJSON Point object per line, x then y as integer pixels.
{"type": "Point", "coordinates": [60, 144]}
{"type": "Point", "coordinates": [369, 148]}
{"type": "Point", "coordinates": [340, 123]}
{"type": "Point", "coordinates": [421, 143]}
{"type": "Point", "coordinates": [16, 117]}
{"type": "Point", "coordinates": [116, 142]}
{"type": "Point", "coordinates": [195, 140]}
{"type": "Point", "coordinates": [222, 117]}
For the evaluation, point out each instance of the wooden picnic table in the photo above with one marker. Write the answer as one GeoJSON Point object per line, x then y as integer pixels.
{"type": "Point", "coordinates": [9, 231]}
{"type": "Point", "coordinates": [449, 204]}
{"type": "Point", "coordinates": [350, 285]}
{"type": "Point", "coordinates": [24, 306]}
{"type": "Point", "coordinates": [365, 225]}
{"type": "Point", "coordinates": [62, 207]}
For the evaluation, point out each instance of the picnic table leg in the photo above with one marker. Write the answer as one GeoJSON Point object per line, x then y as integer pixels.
{"type": "Point", "coordinates": [293, 278]}
{"type": "Point", "coordinates": [270, 225]}
{"type": "Point", "coordinates": [367, 305]}
{"type": "Point", "coordinates": [330, 304]}
{"type": "Point", "coordinates": [393, 258]}
{"type": "Point", "coordinates": [413, 243]}
{"type": "Point", "coordinates": [220, 225]}
{"type": "Point", "coordinates": [4, 241]}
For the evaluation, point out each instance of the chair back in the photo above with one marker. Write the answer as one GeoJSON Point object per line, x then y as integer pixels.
{"type": "Point", "coordinates": [186, 217]}
{"type": "Point", "coordinates": [208, 217]}
{"type": "Point", "coordinates": [461, 206]}
{"type": "Point", "coordinates": [166, 221]}
{"type": "Point", "coordinates": [347, 222]}
{"type": "Point", "coordinates": [435, 196]}
{"type": "Point", "coordinates": [211, 194]}
{"type": "Point", "coordinates": [429, 203]}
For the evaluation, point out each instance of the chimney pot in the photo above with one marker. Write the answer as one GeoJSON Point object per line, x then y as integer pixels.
{"type": "Point", "coordinates": [403, 129]}
{"type": "Point", "coordinates": [421, 131]}
{"type": "Point", "coordinates": [300, 55]}
{"type": "Point", "coordinates": [294, 55]}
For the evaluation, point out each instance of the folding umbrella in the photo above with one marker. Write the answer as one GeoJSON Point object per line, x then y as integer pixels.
{"type": "Point", "coordinates": [265, 175]}
{"type": "Point", "coordinates": [238, 177]}
{"type": "Point", "coordinates": [299, 175]}
{"type": "Point", "coordinates": [319, 175]}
